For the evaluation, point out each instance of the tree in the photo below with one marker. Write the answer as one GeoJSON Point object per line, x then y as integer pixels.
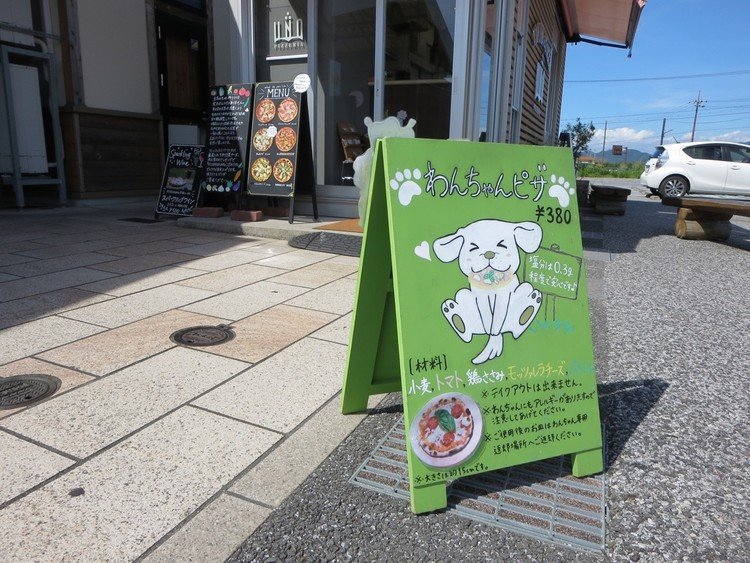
{"type": "Point", "coordinates": [580, 135]}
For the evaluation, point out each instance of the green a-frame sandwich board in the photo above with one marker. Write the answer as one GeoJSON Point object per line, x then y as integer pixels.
{"type": "Point", "coordinates": [463, 244]}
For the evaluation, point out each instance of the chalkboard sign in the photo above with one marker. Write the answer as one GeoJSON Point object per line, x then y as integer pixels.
{"type": "Point", "coordinates": [183, 175]}
{"type": "Point", "coordinates": [228, 125]}
{"type": "Point", "coordinates": [472, 301]}
{"type": "Point", "coordinates": [276, 139]}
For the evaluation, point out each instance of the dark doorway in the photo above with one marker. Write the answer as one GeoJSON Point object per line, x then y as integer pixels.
{"type": "Point", "coordinates": [182, 51]}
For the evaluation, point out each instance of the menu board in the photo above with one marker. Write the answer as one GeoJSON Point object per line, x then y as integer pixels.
{"type": "Point", "coordinates": [472, 289]}
{"type": "Point", "coordinates": [228, 124]}
{"type": "Point", "coordinates": [275, 134]}
{"type": "Point", "coordinates": [183, 175]}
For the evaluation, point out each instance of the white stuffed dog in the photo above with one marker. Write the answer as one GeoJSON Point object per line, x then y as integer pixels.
{"type": "Point", "coordinates": [495, 302]}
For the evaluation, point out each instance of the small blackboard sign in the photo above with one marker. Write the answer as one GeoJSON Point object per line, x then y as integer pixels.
{"type": "Point", "coordinates": [275, 139]}
{"type": "Point", "coordinates": [183, 175]}
{"type": "Point", "coordinates": [228, 126]}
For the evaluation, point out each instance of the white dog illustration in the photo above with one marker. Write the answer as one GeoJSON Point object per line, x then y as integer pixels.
{"type": "Point", "coordinates": [495, 302]}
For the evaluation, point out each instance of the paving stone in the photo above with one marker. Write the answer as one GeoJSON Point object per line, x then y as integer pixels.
{"type": "Point", "coordinates": [317, 274]}
{"type": "Point", "coordinates": [293, 260]}
{"type": "Point", "coordinates": [213, 534]}
{"type": "Point", "coordinates": [287, 466]}
{"type": "Point", "coordinates": [246, 301]}
{"type": "Point", "coordinates": [117, 348]}
{"type": "Point", "coordinates": [18, 289]}
{"type": "Point", "coordinates": [337, 331]}
{"type": "Point", "coordinates": [146, 279]}
{"type": "Point", "coordinates": [68, 378]}
{"type": "Point", "coordinates": [40, 267]}
{"type": "Point", "coordinates": [24, 465]}
{"type": "Point", "coordinates": [269, 331]}
{"type": "Point", "coordinates": [69, 249]}
{"type": "Point", "coordinates": [163, 473]}
{"type": "Point", "coordinates": [301, 378]}
{"type": "Point", "coordinates": [123, 310]}
{"type": "Point", "coordinates": [31, 308]}
{"type": "Point", "coordinates": [225, 260]}
{"type": "Point", "coordinates": [89, 418]}
{"type": "Point", "coordinates": [231, 278]}
{"type": "Point", "coordinates": [37, 336]}
{"type": "Point", "coordinates": [143, 262]}
{"type": "Point", "coordinates": [336, 297]}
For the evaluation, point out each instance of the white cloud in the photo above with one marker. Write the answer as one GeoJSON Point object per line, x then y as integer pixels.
{"type": "Point", "coordinates": [624, 135]}
{"type": "Point", "coordinates": [738, 135]}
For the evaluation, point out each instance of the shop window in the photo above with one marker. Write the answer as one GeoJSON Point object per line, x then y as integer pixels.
{"type": "Point", "coordinates": [419, 64]}
{"type": "Point", "coordinates": [346, 70]}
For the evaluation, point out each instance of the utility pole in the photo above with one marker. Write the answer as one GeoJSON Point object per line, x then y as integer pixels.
{"type": "Point", "coordinates": [604, 142]}
{"type": "Point", "coordinates": [698, 104]}
{"type": "Point", "coordinates": [663, 125]}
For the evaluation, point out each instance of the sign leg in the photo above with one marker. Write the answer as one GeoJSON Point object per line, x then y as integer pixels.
{"type": "Point", "coordinates": [429, 498]}
{"type": "Point", "coordinates": [589, 462]}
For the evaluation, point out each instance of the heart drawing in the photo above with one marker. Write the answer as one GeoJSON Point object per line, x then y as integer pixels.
{"type": "Point", "coordinates": [423, 250]}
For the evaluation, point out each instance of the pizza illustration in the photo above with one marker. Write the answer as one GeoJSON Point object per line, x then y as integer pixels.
{"type": "Point", "coordinates": [262, 141]}
{"type": "Point", "coordinates": [287, 110]}
{"type": "Point", "coordinates": [265, 111]}
{"type": "Point", "coordinates": [283, 170]}
{"type": "Point", "coordinates": [261, 169]}
{"type": "Point", "coordinates": [447, 430]}
{"type": "Point", "coordinates": [286, 138]}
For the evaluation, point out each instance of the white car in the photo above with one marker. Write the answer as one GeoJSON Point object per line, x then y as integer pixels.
{"type": "Point", "coordinates": [698, 168]}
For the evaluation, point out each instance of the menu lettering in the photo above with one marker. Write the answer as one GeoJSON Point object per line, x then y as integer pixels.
{"type": "Point", "coordinates": [182, 180]}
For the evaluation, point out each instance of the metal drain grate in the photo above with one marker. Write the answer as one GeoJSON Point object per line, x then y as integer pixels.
{"type": "Point", "coordinates": [202, 335]}
{"type": "Point", "coordinates": [542, 499]}
{"type": "Point", "coordinates": [333, 243]}
{"type": "Point", "coordinates": [23, 390]}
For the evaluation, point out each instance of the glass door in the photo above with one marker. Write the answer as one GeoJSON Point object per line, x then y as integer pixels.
{"type": "Point", "coordinates": [418, 64]}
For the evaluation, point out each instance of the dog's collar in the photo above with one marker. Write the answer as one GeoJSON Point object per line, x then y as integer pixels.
{"type": "Point", "coordinates": [489, 279]}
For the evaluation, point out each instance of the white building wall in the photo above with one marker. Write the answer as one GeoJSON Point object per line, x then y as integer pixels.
{"type": "Point", "coordinates": [228, 44]}
{"type": "Point", "coordinates": [114, 55]}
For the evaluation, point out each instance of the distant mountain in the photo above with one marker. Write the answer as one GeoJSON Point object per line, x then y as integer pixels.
{"type": "Point", "coordinates": [633, 155]}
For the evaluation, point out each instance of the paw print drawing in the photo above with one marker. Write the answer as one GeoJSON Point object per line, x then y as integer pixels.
{"type": "Point", "coordinates": [561, 190]}
{"type": "Point", "coordinates": [405, 184]}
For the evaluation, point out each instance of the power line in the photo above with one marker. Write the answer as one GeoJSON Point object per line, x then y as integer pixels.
{"type": "Point", "coordinates": [645, 79]}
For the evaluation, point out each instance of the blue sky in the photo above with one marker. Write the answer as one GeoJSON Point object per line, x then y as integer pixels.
{"type": "Point", "coordinates": [674, 38]}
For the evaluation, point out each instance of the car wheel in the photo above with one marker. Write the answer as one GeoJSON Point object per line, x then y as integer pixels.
{"type": "Point", "coordinates": [674, 186]}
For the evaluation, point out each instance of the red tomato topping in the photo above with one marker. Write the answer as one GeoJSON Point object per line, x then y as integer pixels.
{"type": "Point", "coordinates": [457, 411]}
{"type": "Point", "coordinates": [448, 438]}
{"type": "Point", "coordinates": [432, 422]}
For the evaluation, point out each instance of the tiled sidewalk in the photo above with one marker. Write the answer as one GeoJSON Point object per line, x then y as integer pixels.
{"type": "Point", "coordinates": [151, 450]}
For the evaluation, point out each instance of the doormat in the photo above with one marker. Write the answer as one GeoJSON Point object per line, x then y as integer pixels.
{"type": "Point", "coordinates": [541, 500]}
{"type": "Point", "coordinates": [348, 226]}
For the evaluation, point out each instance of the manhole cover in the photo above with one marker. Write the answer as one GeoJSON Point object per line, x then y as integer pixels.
{"type": "Point", "coordinates": [333, 243]}
{"type": "Point", "coordinates": [202, 335]}
{"type": "Point", "coordinates": [22, 390]}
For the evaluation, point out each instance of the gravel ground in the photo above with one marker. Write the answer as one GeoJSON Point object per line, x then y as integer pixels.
{"type": "Point", "coordinates": [672, 340]}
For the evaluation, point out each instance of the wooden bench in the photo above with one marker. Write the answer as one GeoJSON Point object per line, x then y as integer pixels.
{"type": "Point", "coordinates": [704, 218]}
{"type": "Point", "coordinates": [608, 199]}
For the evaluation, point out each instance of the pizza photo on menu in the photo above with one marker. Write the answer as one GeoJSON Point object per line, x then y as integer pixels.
{"type": "Point", "coordinates": [283, 170]}
{"type": "Point", "coordinates": [265, 110]}
{"type": "Point", "coordinates": [261, 169]}
{"type": "Point", "coordinates": [287, 110]}
{"type": "Point", "coordinates": [447, 431]}
{"type": "Point", "coordinates": [262, 141]}
{"type": "Point", "coordinates": [286, 138]}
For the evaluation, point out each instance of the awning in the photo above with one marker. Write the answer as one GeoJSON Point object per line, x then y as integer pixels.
{"type": "Point", "coordinates": [602, 22]}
